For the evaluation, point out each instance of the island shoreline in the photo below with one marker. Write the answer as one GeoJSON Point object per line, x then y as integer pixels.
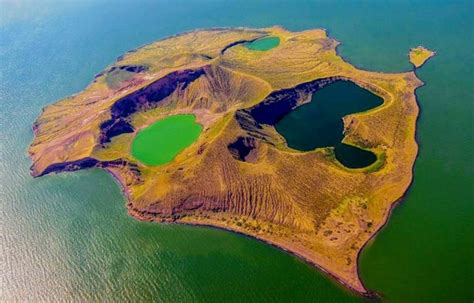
{"type": "Point", "coordinates": [299, 253]}
{"type": "Point", "coordinates": [409, 188]}
{"type": "Point", "coordinates": [294, 252]}
{"type": "Point", "coordinates": [402, 199]}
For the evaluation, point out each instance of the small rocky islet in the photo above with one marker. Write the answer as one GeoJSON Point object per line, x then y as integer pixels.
{"type": "Point", "coordinates": [238, 172]}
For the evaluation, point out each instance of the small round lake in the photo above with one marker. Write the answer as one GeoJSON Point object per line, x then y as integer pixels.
{"type": "Point", "coordinates": [263, 44]}
{"type": "Point", "coordinates": [353, 157]}
{"type": "Point", "coordinates": [160, 142]}
{"type": "Point", "coordinates": [319, 122]}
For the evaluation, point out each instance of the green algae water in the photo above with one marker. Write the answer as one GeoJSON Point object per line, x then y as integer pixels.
{"type": "Point", "coordinates": [67, 237]}
{"type": "Point", "coordinates": [264, 44]}
{"type": "Point", "coordinates": [160, 142]}
{"type": "Point", "coordinates": [319, 122]}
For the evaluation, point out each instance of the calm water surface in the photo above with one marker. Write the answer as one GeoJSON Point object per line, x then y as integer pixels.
{"type": "Point", "coordinates": [68, 236]}
{"type": "Point", "coordinates": [169, 136]}
{"type": "Point", "coordinates": [354, 157]}
{"type": "Point", "coordinates": [319, 123]}
{"type": "Point", "coordinates": [264, 44]}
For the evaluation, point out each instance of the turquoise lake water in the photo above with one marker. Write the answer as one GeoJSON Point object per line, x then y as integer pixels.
{"type": "Point", "coordinates": [264, 44]}
{"type": "Point", "coordinates": [68, 236]}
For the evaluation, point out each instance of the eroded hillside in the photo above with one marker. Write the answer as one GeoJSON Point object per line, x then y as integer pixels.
{"type": "Point", "coordinates": [240, 174]}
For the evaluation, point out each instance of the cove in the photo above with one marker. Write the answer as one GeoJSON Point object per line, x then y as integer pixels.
{"type": "Point", "coordinates": [160, 142]}
{"type": "Point", "coordinates": [319, 122]}
{"type": "Point", "coordinates": [263, 44]}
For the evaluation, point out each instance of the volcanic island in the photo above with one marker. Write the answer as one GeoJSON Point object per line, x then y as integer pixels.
{"type": "Point", "coordinates": [187, 127]}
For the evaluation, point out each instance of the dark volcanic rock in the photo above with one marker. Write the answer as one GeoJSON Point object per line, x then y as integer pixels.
{"type": "Point", "coordinates": [242, 147]}
{"type": "Point", "coordinates": [146, 97]}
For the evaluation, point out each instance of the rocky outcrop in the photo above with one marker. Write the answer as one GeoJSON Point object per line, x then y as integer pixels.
{"type": "Point", "coordinates": [88, 163]}
{"type": "Point", "coordinates": [243, 149]}
{"type": "Point", "coordinates": [145, 98]}
{"type": "Point", "coordinates": [234, 44]}
{"type": "Point", "coordinates": [70, 166]}
{"type": "Point", "coordinates": [279, 103]}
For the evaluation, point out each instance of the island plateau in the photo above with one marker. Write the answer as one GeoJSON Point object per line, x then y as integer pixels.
{"type": "Point", "coordinates": [204, 128]}
{"type": "Point", "coordinates": [419, 55]}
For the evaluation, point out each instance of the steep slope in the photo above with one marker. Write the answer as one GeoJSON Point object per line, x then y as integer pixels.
{"type": "Point", "coordinates": [240, 174]}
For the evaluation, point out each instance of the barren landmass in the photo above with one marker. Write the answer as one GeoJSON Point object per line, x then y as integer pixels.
{"type": "Point", "coordinates": [240, 175]}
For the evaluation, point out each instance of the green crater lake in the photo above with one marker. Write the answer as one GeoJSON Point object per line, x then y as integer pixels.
{"type": "Point", "coordinates": [160, 142]}
{"type": "Point", "coordinates": [264, 44]}
{"type": "Point", "coordinates": [319, 122]}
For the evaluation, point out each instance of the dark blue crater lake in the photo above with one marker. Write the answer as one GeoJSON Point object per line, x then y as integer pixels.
{"type": "Point", "coordinates": [319, 122]}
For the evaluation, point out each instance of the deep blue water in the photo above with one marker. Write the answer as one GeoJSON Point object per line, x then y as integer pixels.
{"type": "Point", "coordinates": [319, 123]}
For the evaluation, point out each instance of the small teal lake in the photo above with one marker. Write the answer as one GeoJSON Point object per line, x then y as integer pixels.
{"type": "Point", "coordinates": [263, 44]}
{"type": "Point", "coordinates": [67, 237]}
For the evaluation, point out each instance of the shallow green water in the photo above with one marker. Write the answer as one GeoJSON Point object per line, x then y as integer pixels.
{"type": "Point", "coordinates": [68, 236]}
{"type": "Point", "coordinates": [319, 122]}
{"type": "Point", "coordinates": [160, 142]}
{"type": "Point", "coordinates": [264, 44]}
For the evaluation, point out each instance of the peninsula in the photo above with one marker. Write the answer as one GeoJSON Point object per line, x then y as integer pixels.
{"type": "Point", "coordinates": [196, 129]}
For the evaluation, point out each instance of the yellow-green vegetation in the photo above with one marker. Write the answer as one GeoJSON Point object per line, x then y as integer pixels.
{"type": "Point", "coordinates": [239, 174]}
{"type": "Point", "coordinates": [419, 55]}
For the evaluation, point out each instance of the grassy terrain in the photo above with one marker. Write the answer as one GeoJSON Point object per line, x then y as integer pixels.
{"type": "Point", "coordinates": [117, 77]}
{"type": "Point", "coordinates": [305, 202]}
{"type": "Point", "coordinates": [419, 55]}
